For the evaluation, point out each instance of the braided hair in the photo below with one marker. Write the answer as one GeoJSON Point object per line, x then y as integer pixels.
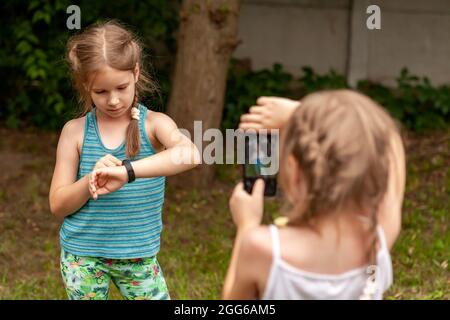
{"type": "Point", "coordinates": [339, 140]}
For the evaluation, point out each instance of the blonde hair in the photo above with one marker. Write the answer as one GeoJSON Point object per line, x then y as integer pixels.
{"type": "Point", "coordinates": [339, 140]}
{"type": "Point", "coordinates": [111, 44]}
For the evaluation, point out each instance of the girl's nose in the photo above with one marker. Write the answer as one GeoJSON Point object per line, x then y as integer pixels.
{"type": "Point", "coordinates": [113, 101]}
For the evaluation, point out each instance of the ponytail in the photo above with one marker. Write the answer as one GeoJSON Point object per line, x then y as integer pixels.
{"type": "Point", "coordinates": [133, 140]}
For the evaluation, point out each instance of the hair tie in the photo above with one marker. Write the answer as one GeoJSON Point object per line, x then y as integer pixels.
{"type": "Point", "coordinates": [135, 113]}
{"type": "Point", "coordinates": [281, 221]}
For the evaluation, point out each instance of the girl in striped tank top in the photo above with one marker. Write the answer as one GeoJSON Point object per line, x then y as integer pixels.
{"type": "Point", "coordinates": [115, 236]}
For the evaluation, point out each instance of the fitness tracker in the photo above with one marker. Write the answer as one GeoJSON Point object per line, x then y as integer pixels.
{"type": "Point", "coordinates": [130, 171]}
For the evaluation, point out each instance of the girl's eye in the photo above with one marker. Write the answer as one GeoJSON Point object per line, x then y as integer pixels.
{"type": "Point", "coordinates": [99, 92]}
{"type": "Point", "coordinates": [122, 88]}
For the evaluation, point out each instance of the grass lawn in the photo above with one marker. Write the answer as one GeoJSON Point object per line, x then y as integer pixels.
{"type": "Point", "coordinates": [198, 232]}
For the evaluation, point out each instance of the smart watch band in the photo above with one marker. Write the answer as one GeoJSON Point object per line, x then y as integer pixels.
{"type": "Point", "coordinates": [130, 171]}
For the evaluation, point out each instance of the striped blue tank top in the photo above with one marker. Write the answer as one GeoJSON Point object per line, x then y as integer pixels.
{"type": "Point", "coordinates": [124, 224]}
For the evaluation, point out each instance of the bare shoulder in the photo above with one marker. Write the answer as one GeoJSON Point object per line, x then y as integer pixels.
{"type": "Point", "coordinates": [155, 122]}
{"type": "Point", "coordinates": [73, 131]}
{"type": "Point", "coordinates": [292, 241]}
{"type": "Point", "coordinates": [155, 118]}
{"type": "Point", "coordinates": [256, 254]}
{"type": "Point", "coordinates": [257, 242]}
{"type": "Point", "coordinates": [75, 125]}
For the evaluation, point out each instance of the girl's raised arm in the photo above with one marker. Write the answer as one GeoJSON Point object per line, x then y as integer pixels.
{"type": "Point", "coordinates": [390, 214]}
{"type": "Point", "coordinates": [269, 113]}
{"type": "Point", "coordinates": [180, 154]}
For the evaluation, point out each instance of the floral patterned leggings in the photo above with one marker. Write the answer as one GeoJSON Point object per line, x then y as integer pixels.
{"type": "Point", "coordinates": [88, 278]}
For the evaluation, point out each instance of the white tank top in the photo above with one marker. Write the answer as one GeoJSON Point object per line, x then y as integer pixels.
{"type": "Point", "coordinates": [287, 282]}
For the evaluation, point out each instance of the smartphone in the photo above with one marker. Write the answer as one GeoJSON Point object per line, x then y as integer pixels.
{"type": "Point", "coordinates": [259, 163]}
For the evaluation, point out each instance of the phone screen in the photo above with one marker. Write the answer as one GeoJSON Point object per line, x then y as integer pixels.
{"type": "Point", "coordinates": [259, 163]}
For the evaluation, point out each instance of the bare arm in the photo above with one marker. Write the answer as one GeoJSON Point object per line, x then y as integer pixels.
{"type": "Point", "coordinates": [180, 154]}
{"type": "Point", "coordinates": [246, 210]}
{"type": "Point", "coordinates": [390, 214]}
{"type": "Point", "coordinates": [269, 113]}
{"type": "Point", "coordinates": [67, 194]}
{"type": "Point", "coordinates": [240, 281]}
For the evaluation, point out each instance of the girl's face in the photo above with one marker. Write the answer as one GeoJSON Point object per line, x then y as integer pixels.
{"type": "Point", "coordinates": [113, 90]}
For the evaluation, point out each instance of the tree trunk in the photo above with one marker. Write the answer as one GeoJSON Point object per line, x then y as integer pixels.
{"type": "Point", "coordinates": [207, 37]}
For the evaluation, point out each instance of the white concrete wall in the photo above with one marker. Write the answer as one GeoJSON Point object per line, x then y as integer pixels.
{"type": "Point", "coordinates": [414, 33]}
{"type": "Point", "coordinates": [294, 33]}
{"type": "Point", "coordinates": [329, 34]}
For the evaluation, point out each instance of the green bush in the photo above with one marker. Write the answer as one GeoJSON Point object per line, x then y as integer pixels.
{"type": "Point", "coordinates": [413, 101]}
{"type": "Point", "coordinates": [311, 81]}
{"type": "Point", "coordinates": [37, 89]}
{"type": "Point", "coordinates": [245, 86]}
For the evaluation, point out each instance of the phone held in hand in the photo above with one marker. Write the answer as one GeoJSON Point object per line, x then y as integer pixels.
{"type": "Point", "coordinates": [261, 161]}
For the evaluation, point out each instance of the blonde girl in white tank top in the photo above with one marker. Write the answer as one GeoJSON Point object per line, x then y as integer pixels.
{"type": "Point", "coordinates": [342, 172]}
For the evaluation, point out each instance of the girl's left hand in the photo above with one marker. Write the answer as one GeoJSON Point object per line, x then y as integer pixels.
{"type": "Point", "coordinates": [106, 180]}
{"type": "Point", "coordinates": [269, 113]}
{"type": "Point", "coordinates": [247, 209]}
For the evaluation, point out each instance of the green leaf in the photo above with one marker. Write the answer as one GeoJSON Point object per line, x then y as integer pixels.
{"type": "Point", "coordinates": [33, 5]}
{"type": "Point", "coordinates": [40, 15]}
{"type": "Point", "coordinates": [59, 107]}
{"type": "Point", "coordinates": [23, 47]}
{"type": "Point", "coordinates": [32, 38]}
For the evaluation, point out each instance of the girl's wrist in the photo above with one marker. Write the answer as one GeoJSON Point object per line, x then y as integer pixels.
{"type": "Point", "coordinates": [124, 173]}
{"type": "Point", "coordinates": [243, 227]}
{"type": "Point", "coordinates": [129, 171]}
{"type": "Point", "coordinates": [87, 191]}
{"type": "Point", "coordinates": [294, 106]}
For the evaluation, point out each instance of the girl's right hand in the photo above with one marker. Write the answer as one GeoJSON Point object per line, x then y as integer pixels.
{"type": "Point", "coordinates": [107, 180]}
{"type": "Point", "coordinates": [247, 209]}
{"type": "Point", "coordinates": [104, 162]}
{"type": "Point", "coordinates": [107, 161]}
{"type": "Point", "coordinates": [269, 113]}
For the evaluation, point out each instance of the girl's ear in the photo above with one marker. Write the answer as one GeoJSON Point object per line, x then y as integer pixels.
{"type": "Point", "coordinates": [297, 183]}
{"type": "Point", "coordinates": [136, 73]}
{"type": "Point", "coordinates": [295, 179]}
{"type": "Point", "coordinates": [296, 174]}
